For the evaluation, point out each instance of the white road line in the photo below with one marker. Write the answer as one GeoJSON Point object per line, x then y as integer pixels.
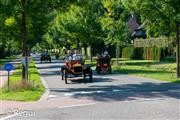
{"type": "Point", "coordinates": [116, 90]}
{"type": "Point", "coordinates": [52, 96]}
{"type": "Point", "coordinates": [85, 92]}
{"type": "Point", "coordinates": [78, 105]}
{"type": "Point", "coordinates": [94, 92]}
{"type": "Point", "coordinates": [10, 116]}
{"type": "Point", "coordinates": [68, 94]}
{"type": "Point", "coordinates": [99, 91]}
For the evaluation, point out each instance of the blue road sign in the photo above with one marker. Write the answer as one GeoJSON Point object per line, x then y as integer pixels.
{"type": "Point", "coordinates": [8, 67]}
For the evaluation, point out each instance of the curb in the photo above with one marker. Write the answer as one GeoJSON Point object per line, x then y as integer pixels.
{"type": "Point", "coordinates": [45, 95]}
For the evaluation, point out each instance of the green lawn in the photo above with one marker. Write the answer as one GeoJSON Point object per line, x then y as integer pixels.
{"type": "Point", "coordinates": [165, 71]}
{"type": "Point", "coordinates": [31, 92]}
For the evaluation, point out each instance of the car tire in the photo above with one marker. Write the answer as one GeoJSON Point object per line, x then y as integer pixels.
{"type": "Point", "coordinates": [90, 76]}
{"type": "Point", "coordinates": [65, 77]}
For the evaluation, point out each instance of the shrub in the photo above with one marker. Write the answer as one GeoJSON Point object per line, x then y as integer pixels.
{"type": "Point", "coordinates": [137, 54]}
{"type": "Point", "coordinates": [169, 58]}
{"type": "Point", "coordinates": [127, 52]}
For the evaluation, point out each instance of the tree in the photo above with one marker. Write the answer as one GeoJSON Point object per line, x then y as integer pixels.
{"type": "Point", "coordinates": [30, 18]}
{"type": "Point", "coordinates": [78, 26]}
{"type": "Point", "coordinates": [164, 15]}
{"type": "Point", "coordinates": [114, 24]}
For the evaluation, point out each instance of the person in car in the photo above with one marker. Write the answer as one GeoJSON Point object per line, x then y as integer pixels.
{"type": "Point", "coordinates": [69, 56]}
{"type": "Point", "coordinates": [77, 56]}
{"type": "Point", "coordinates": [106, 57]}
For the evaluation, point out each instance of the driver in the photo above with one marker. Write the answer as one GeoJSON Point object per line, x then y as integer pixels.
{"type": "Point", "coordinates": [69, 56]}
{"type": "Point", "coordinates": [78, 56]}
{"type": "Point", "coordinates": [106, 57]}
{"type": "Point", "coordinates": [68, 59]}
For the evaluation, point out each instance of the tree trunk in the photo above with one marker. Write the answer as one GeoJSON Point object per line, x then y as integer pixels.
{"type": "Point", "coordinates": [91, 56]}
{"type": "Point", "coordinates": [24, 39]}
{"type": "Point", "coordinates": [78, 42]}
{"type": "Point", "coordinates": [117, 53]}
{"type": "Point", "coordinates": [177, 50]}
{"type": "Point", "coordinates": [85, 51]}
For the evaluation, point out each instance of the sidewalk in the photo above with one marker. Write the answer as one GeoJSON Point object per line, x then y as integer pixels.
{"type": "Point", "coordinates": [3, 78]}
{"type": "Point", "coordinates": [8, 107]}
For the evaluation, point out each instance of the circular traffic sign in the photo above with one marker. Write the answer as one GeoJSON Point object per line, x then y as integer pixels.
{"type": "Point", "coordinates": [8, 67]}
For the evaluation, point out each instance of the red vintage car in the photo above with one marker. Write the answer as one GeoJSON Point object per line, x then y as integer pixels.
{"type": "Point", "coordinates": [75, 68]}
{"type": "Point", "coordinates": [103, 64]}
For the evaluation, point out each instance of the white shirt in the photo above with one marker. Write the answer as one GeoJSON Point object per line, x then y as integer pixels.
{"type": "Point", "coordinates": [69, 58]}
{"type": "Point", "coordinates": [77, 57]}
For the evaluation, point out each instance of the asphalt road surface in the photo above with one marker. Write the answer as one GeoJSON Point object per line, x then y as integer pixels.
{"type": "Point", "coordinates": [115, 96]}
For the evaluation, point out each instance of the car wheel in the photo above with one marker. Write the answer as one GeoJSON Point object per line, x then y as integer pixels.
{"type": "Point", "coordinates": [65, 77]}
{"type": "Point", "coordinates": [98, 71]}
{"type": "Point", "coordinates": [90, 76]}
{"type": "Point", "coordinates": [110, 71]}
{"type": "Point", "coordinates": [62, 75]}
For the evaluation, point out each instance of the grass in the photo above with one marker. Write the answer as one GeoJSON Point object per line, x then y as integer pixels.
{"type": "Point", "coordinates": [19, 91]}
{"type": "Point", "coordinates": [165, 71]}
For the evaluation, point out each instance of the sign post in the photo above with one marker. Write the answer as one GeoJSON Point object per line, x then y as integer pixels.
{"type": "Point", "coordinates": [8, 67]}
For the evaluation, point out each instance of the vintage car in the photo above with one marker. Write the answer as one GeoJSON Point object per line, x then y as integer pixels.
{"type": "Point", "coordinates": [74, 69]}
{"type": "Point", "coordinates": [45, 57]}
{"type": "Point", "coordinates": [103, 64]}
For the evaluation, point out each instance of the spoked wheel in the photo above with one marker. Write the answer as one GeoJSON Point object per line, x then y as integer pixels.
{"type": "Point", "coordinates": [84, 76]}
{"type": "Point", "coordinates": [65, 77]}
{"type": "Point", "coordinates": [62, 74]}
{"type": "Point", "coordinates": [110, 71]}
{"type": "Point", "coordinates": [98, 71]}
{"type": "Point", "coordinates": [90, 76]}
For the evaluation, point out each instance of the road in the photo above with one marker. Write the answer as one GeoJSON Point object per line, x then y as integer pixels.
{"type": "Point", "coordinates": [115, 96]}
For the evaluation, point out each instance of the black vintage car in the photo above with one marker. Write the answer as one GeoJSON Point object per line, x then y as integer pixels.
{"type": "Point", "coordinates": [45, 57]}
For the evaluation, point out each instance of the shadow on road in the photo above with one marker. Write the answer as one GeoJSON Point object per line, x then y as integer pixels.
{"type": "Point", "coordinates": [146, 90]}
{"type": "Point", "coordinates": [50, 67]}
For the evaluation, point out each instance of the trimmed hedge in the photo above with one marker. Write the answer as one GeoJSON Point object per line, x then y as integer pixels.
{"type": "Point", "coordinates": [127, 52]}
{"type": "Point", "coordinates": [153, 53]}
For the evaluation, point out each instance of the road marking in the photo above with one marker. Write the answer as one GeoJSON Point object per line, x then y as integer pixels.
{"type": "Point", "coordinates": [95, 92]}
{"type": "Point", "coordinates": [10, 116]}
{"type": "Point", "coordinates": [85, 92]}
{"type": "Point", "coordinates": [52, 96]}
{"type": "Point", "coordinates": [116, 90]}
{"type": "Point", "coordinates": [68, 94]}
{"type": "Point", "coordinates": [78, 105]}
{"type": "Point", "coordinates": [99, 91]}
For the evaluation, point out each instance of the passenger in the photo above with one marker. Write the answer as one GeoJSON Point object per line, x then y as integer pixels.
{"type": "Point", "coordinates": [106, 57]}
{"type": "Point", "coordinates": [68, 59]}
{"type": "Point", "coordinates": [106, 54]}
{"type": "Point", "coordinates": [69, 56]}
{"type": "Point", "coordinates": [77, 56]}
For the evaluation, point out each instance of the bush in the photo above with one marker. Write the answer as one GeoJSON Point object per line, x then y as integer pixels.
{"type": "Point", "coordinates": [153, 53]}
{"type": "Point", "coordinates": [127, 52]}
{"type": "Point", "coordinates": [137, 54]}
{"type": "Point", "coordinates": [169, 58]}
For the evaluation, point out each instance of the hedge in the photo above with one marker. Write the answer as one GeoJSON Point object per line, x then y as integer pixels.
{"type": "Point", "coordinates": [153, 53]}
